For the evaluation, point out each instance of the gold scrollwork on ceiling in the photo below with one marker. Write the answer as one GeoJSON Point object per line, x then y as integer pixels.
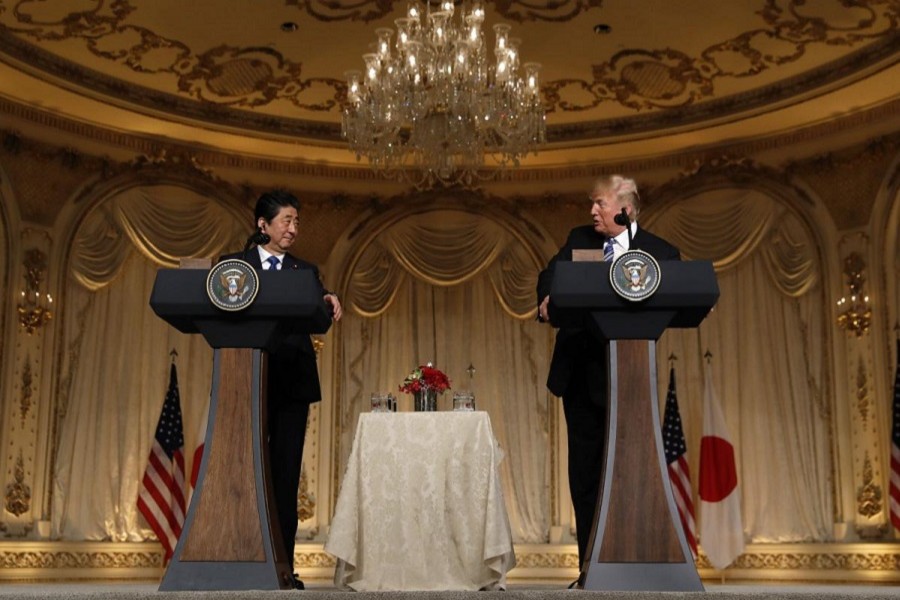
{"type": "Point", "coordinates": [637, 79]}
{"type": "Point", "coordinates": [513, 10]}
{"type": "Point", "coordinates": [226, 75]}
{"type": "Point", "coordinates": [18, 494]}
{"type": "Point", "coordinates": [644, 79]}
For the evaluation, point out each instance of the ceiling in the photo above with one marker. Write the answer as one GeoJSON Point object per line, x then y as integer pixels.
{"type": "Point", "coordinates": [620, 78]}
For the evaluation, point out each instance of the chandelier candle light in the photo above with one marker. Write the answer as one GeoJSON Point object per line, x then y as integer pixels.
{"type": "Point", "coordinates": [429, 106]}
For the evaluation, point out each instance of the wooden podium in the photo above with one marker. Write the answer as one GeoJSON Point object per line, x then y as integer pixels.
{"type": "Point", "coordinates": [637, 542]}
{"type": "Point", "coordinates": [231, 539]}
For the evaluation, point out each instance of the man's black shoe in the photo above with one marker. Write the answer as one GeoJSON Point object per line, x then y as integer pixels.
{"type": "Point", "coordinates": [298, 584]}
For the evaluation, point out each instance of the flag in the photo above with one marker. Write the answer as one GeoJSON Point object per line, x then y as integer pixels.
{"type": "Point", "coordinates": [198, 451]}
{"type": "Point", "coordinates": [675, 448]}
{"type": "Point", "coordinates": [895, 449]}
{"type": "Point", "coordinates": [721, 530]}
{"type": "Point", "coordinates": [161, 497]}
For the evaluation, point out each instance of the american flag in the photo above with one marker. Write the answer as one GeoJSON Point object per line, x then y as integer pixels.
{"type": "Point", "coordinates": [895, 449]}
{"type": "Point", "coordinates": [161, 497]}
{"type": "Point", "coordinates": [679, 472]}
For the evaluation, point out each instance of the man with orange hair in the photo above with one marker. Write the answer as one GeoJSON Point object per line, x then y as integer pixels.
{"type": "Point", "coordinates": [578, 370]}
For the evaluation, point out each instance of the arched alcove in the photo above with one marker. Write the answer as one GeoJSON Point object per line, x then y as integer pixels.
{"type": "Point", "coordinates": [7, 203]}
{"type": "Point", "coordinates": [767, 337]}
{"type": "Point", "coordinates": [452, 282]}
{"type": "Point", "coordinates": [883, 283]}
{"type": "Point", "coordinates": [115, 353]}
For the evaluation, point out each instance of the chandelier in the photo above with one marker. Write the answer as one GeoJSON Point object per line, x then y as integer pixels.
{"type": "Point", "coordinates": [856, 315]}
{"type": "Point", "coordinates": [430, 106]}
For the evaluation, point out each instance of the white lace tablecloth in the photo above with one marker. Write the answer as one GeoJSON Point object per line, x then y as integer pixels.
{"type": "Point", "coordinates": [421, 507]}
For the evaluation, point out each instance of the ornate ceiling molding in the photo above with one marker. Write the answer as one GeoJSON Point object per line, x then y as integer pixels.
{"type": "Point", "coordinates": [214, 163]}
{"type": "Point", "coordinates": [675, 90]}
{"type": "Point", "coordinates": [513, 10]}
{"type": "Point", "coordinates": [642, 79]}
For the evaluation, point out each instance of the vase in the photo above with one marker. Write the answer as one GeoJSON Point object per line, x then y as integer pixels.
{"type": "Point", "coordinates": [425, 400]}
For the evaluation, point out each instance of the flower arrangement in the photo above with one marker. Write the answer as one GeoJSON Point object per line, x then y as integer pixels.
{"type": "Point", "coordinates": [425, 377]}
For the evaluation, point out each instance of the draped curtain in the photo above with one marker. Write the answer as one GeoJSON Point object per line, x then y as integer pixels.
{"type": "Point", "coordinates": [458, 290]}
{"type": "Point", "coordinates": [116, 354]}
{"type": "Point", "coordinates": [767, 344]}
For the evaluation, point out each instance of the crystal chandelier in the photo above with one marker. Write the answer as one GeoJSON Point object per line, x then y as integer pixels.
{"type": "Point", "coordinates": [429, 107]}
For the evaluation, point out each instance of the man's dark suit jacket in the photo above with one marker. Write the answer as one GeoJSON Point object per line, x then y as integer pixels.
{"type": "Point", "coordinates": [575, 346]}
{"type": "Point", "coordinates": [293, 374]}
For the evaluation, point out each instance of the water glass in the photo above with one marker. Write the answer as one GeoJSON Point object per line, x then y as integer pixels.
{"type": "Point", "coordinates": [383, 402]}
{"type": "Point", "coordinates": [463, 400]}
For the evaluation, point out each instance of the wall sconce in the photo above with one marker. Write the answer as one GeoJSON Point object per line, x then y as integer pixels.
{"type": "Point", "coordinates": [856, 315]}
{"type": "Point", "coordinates": [34, 309]}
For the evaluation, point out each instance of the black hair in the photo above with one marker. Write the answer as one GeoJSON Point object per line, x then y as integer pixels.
{"type": "Point", "coordinates": [270, 203]}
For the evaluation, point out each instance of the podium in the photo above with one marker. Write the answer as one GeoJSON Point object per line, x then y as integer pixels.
{"type": "Point", "coordinates": [637, 542]}
{"type": "Point", "coordinates": [231, 539]}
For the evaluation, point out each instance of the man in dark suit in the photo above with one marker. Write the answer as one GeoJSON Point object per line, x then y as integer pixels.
{"type": "Point", "coordinates": [578, 369]}
{"type": "Point", "coordinates": [293, 377]}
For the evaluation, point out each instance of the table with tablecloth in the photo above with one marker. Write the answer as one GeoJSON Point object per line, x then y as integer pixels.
{"type": "Point", "coordinates": [421, 506]}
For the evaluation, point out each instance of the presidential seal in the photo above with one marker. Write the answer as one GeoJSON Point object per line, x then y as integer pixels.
{"type": "Point", "coordinates": [635, 275]}
{"type": "Point", "coordinates": [232, 285]}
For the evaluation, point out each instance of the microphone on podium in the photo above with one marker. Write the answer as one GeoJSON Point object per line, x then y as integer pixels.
{"type": "Point", "coordinates": [257, 238]}
{"type": "Point", "coordinates": [622, 219]}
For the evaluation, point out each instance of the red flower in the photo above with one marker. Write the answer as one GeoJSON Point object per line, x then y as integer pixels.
{"type": "Point", "coordinates": [425, 377]}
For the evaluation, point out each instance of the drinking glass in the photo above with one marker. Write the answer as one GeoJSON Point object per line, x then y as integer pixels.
{"type": "Point", "coordinates": [463, 400]}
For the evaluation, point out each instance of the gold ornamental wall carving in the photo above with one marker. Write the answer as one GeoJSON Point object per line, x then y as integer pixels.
{"type": "Point", "coordinates": [869, 494]}
{"type": "Point", "coordinates": [18, 495]}
{"type": "Point", "coordinates": [26, 391]}
{"type": "Point", "coordinates": [51, 556]}
{"type": "Point", "coordinates": [863, 398]}
{"type": "Point", "coordinates": [143, 561]}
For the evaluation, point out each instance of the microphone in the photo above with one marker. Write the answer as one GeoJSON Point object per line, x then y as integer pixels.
{"type": "Point", "coordinates": [622, 219]}
{"type": "Point", "coordinates": [257, 238]}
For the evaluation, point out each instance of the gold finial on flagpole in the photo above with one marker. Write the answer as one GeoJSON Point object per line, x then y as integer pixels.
{"type": "Point", "coordinates": [672, 358]}
{"type": "Point", "coordinates": [708, 356]}
{"type": "Point", "coordinates": [173, 354]}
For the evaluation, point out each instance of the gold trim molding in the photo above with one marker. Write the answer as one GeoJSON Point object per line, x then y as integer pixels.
{"type": "Point", "coordinates": [69, 561]}
{"type": "Point", "coordinates": [211, 161]}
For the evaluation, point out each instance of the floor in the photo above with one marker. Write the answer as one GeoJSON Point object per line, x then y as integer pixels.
{"type": "Point", "coordinates": [45, 589]}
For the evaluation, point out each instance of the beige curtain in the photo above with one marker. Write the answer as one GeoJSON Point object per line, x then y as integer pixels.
{"type": "Point", "coordinates": [116, 354]}
{"type": "Point", "coordinates": [456, 289]}
{"type": "Point", "coordinates": [767, 339]}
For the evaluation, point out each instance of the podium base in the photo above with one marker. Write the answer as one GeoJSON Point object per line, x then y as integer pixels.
{"type": "Point", "coordinates": [643, 577]}
{"type": "Point", "coordinates": [230, 541]}
{"type": "Point", "coordinates": [234, 576]}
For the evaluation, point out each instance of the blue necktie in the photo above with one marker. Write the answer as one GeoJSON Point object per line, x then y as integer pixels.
{"type": "Point", "coordinates": [273, 263]}
{"type": "Point", "coordinates": [609, 250]}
